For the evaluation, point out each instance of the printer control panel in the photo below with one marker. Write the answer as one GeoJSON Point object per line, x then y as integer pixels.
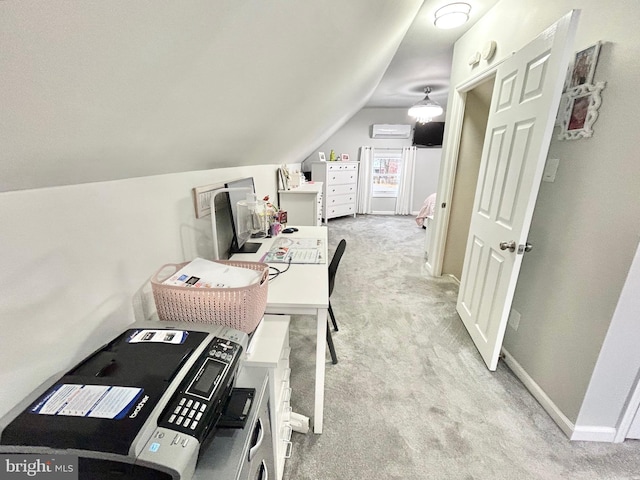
{"type": "Point", "coordinates": [198, 402]}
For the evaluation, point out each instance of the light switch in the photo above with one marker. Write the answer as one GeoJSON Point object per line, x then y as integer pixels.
{"type": "Point", "coordinates": [514, 319]}
{"type": "Point", "coordinates": [550, 170]}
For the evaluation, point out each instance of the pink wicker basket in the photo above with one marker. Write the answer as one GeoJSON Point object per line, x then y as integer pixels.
{"type": "Point", "coordinates": [240, 308]}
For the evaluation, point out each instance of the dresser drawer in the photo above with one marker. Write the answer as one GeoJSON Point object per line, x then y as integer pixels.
{"type": "Point", "coordinates": [339, 167]}
{"type": "Point", "coordinates": [333, 200]}
{"type": "Point", "coordinates": [341, 189]}
{"type": "Point", "coordinates": [337, 178]}
{"type": "Point", "coordinates": [339, 210]}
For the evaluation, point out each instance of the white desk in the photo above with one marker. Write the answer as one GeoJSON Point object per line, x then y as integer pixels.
{"type": "Point", "coordinates": [302, 290]}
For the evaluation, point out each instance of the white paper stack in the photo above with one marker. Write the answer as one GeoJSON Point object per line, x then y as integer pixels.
{"type": "Point", "coordinates": [201, 273]}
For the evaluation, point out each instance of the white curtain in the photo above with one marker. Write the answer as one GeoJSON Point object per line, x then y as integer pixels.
{"type": "Point", "coordinates": [405, 188]}
{"type": "Point", "coordinates": [365, 180]}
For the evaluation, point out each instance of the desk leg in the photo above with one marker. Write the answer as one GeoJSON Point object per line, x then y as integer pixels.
{"type": "Point", "coordinates": [321, 343]}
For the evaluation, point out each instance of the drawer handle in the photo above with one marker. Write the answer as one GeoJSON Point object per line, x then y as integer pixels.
{"type": "Point", "coordinates": [258, 435]}
{"type": "Point", "coordinates": [286, 414]}
{"type": "Point", "coordinates": [263, 473]}
{"type": "Point", "coordinates": [288, 450]}
{"type": "Point", "coordinates": [286, 395]}
{"type": "Point", "coordinates": [286, 432]}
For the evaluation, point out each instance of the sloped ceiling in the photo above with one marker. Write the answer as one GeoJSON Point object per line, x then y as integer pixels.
{"type": "Point", "coordinates": [96, 90]}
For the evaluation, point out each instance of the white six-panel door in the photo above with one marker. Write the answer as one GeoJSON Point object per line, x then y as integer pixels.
{"type": "Point", "coordinates": [525, 100]}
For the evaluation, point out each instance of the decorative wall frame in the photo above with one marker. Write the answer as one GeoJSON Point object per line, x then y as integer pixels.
{"type": "Point", "coordinates": [584, 66]}
{"type": "Point", "coordinates": [580, 111]}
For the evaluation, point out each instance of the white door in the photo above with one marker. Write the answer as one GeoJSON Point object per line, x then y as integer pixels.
{"type": "Point", "coordinates": [525, 100]}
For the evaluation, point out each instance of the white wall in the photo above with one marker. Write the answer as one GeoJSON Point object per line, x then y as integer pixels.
{"type": "Point", "coordinates": [619, 351]}
{"type": "Point", "coordinates": [356, 133]}
{"type": "Point", "coordinates": [427, 171]}
{"type": "Point", "coordinates": [586, 224]}
{"type": "Point", "coordinates": [75, 259]}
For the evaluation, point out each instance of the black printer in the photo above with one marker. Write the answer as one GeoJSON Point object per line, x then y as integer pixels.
{"type": "Point", "coordinates": [138, 408]}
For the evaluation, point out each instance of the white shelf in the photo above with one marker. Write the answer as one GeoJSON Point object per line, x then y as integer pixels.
{"type": "Point", "coordinates": [270, 350]}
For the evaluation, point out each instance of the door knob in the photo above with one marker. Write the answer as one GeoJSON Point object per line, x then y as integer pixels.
{"type": "Point", "coordinates": [511, 246]}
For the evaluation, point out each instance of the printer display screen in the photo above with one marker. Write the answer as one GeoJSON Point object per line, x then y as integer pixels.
{"type": "Point", "coordinates": [207, 379]}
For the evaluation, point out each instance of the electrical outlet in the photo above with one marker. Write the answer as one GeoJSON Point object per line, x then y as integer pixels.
{"type": "Point", "coordinates": [202, 199]}
{"type": "Point", "coordinates": [550, 170]}
{"type": "Point", "coordinates": [514, 319]}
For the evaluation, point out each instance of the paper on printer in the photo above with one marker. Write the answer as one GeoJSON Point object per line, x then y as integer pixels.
{"type": "Point", "coordinates": [201, 273]}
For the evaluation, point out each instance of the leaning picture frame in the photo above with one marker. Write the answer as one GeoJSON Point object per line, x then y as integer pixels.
{"type": "Point", "coordinates": [322, 157]}
{"type": "Point", "coordinates": [580, 111]}
{"type": "Point", "coordinates": [584, 66]}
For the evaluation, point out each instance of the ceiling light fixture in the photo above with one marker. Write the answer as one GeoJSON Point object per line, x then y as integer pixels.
{"type": "Point", "coordinates": [452, 15]}
{"type": "Point", "coordinates": [425, 109]}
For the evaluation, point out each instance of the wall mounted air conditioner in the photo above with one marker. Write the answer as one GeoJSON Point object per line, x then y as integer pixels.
{"type": "Point", "coordinates": [391, 131]}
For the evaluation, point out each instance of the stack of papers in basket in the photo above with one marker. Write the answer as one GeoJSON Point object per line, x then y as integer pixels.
{"type": "Point", "coordinates": [201, 273]}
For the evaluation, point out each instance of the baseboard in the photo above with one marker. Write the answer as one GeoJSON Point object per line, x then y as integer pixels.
{"type": "Point", "coordinates": [575, 433]}
{"type": "Point", "coordinates": [594, 434]}
{"type": "Point", "coordinates": [554, 412]}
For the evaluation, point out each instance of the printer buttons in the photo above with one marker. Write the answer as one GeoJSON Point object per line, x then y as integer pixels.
{"type": "Point", "coordinates": [189, 403]}
{"type": "Point", "coordinates": [194, 425]}
{"type": "Point", "coordinates": [202, 407]}
{"type": "Point", "coordinates": [185, 410]}
{"type": "Point", "coordinates": [199, 416]}
{"type": "Point", "coordinates": [192, 413]}
{"type": "Point", "coordinates": [177, 410]}
{"type": "Point", "coordinates": [186, 423]}
{"type": "Point", "coordinates": [182, 400]}
{"type": "Point", "coordinates": [180, 419]}
{"type": "Point", "coordinates": [196, 405]}
{"type": "Point", "coordinates": [172, 418]}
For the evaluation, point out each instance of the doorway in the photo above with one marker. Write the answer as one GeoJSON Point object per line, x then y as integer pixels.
{"type": "Point", "coordinates": [474, 125]}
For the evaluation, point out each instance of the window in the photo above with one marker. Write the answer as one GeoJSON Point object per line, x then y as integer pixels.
{"type": "Point", "coordinates": [386, 173]}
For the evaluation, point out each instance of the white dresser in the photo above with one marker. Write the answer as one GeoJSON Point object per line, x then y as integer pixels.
{"type": "Point", "coordinates": [340, 192]}
{"type": "Point", "coordinates": [303, 204]}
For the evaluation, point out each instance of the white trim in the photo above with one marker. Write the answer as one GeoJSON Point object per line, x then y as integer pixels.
{"type": "Point", "coordinates": [446, 182]}
{"type": "Point", "coordinates": [631, 408]}
{"type": "Point", "coordinates": [383, 212]}
{"type": "Point", "coordinates": [554, 412]}
{"type": "Point", "coordinates": [450, 150]}
{"type": "Point", "coordinates": [575, 433]}
{"type": "Point", "coordinates": [593, 434]}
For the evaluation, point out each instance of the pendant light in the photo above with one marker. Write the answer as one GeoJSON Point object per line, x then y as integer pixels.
{"type": "Point", "coordinates": [425, 109]}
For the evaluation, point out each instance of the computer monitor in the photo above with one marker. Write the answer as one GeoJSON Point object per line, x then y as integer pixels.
{"type": "Point", "coordinates": [239, 243]}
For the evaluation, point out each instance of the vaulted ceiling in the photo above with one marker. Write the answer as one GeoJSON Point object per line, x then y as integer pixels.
{"type": "Point", "coordinates": [94, 90]}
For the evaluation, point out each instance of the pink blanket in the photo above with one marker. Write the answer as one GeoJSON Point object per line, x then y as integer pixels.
{"type": "Point", "coordinates": [427, 210]}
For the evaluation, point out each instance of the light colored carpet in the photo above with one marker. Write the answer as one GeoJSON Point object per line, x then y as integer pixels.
{"type": "Point", "coordinates": [410, 397]}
